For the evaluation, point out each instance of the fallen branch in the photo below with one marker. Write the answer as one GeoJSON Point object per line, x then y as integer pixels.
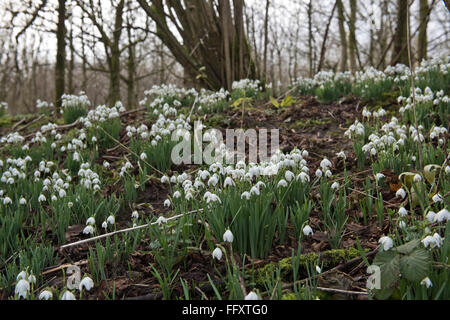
{"type": "Point", "coordinates": [106, 235]}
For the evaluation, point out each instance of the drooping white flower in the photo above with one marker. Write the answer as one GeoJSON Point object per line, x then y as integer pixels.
{"type": "Point", "coordinates": [318, 269]}
{"type": "Point", "coordinates": [135, 215]}
{"type": "Point", "coordinates": [402, 212]}
{"type": "Point", "coordinates": [437, 198]}
{"type": "Point", "coordinates": [341, 155]}
{"type": "Point", "coordinates": [217, 254]}
{"type": "Point", "coordinates": [228, 236]}
{"type": "Point", "coordinates": [87, 283]}
{"type": "Point", "coordinates": [386, 242]}
{"type": "Point", "coordinates": [245, 195]}
{"type": "Point", "coordinates": [161, 220]}
{"type": "Point", "coordinates": [46, 295]}
{"type": "Point", "coordinates": [401, 193]}
{"type": "Point", "coordinates": [143, 156]}
{"type": "Point", "coordinates": [90, 221]}
{"type": "Point", "coordinates": [22, 288]}
{"type": "Point", "coordinates": [426, 282]}
{"type": "Point", "coordinates": [325, 164]}
{"type": "Point", "coordinates": [319, 173]}
{"type": "Point", "coordinates": [417, 178]}
{"type": "Point", "coordinates": [442, 215]}
{"type": "Point", "coordinates": [431, 215]}
{"type": "Point", "coordinates": [379, 176]}
{"type": "Point", "coordinates": [22, 201]}
{"type": "Point", "coordinates": [41, 198]}
{"type": "Point", "coordinates": [167, 203]}
{"type": "Point", "coordinates": [165, 179]}
{"type": "Point", "coordinates": [307, 230]}
{"type": "Point", "coordinates": [251, 296]}
{"type": "Point", "coordinates": [7, 200]}
{"type": "Point", "coordinates": [67, 295]}
{"type": "Point", "coordinates": [176, 194]}
{"type": "Point", "coordinates": [335, 185]}
{"type": "Point", "coordinates": [105, 225]}
{"type": "Point", "coordinates": [88, 230]}
{"type": "Point", "coordinates": [402, 224]}
{"type": "Point", "coordinates": [282, 183]}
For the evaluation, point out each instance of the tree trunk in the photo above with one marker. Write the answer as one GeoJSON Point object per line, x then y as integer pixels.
{"type": "Point", "coordinates": [422, 40]}
{"type": "Point", "coordinates": [352, 36]}
{"type": "Point", "coordinates": [310, 40]}
{"type": "Point", "coordinates": [60, 54]}
{"type": "Point", "coordinates": [114, 89]}
{"type": "Point", "coordinates": [399, 53]}
{"type": "Point", "coordinates": [214, 50]}
{"type": "Point", "coordinates": [342, 35]}
{"type": "Point", "coordinates": [266, 37]}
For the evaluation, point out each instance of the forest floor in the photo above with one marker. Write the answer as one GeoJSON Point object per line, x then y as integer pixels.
{"type": "Point", "coordinates": [308, 124]}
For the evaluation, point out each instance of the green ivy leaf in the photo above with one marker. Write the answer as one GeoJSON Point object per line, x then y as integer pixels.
{"type": "Point", "coordinates": [414, 266]}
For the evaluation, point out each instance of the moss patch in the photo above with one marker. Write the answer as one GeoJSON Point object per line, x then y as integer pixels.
{"type": "Point", "coordinates": [328, 259]}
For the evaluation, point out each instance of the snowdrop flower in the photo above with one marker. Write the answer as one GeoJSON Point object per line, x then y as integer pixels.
{"type": "Point", "coordinates": [341, 155]}
{"type": "Point", "coordinates": [161, 220]}
{"type": "Point", "coordinates": [22, 288]}
{"type": "Point", "coordinates": [335, 186]}
{"type": "Point", "coordinates": [176, 194]}
{"type": "Point", "coordinates": [228, 236]}
{"type": "Point", "coordinates": [437, 198]}
{"type": "Point", "coordinates": [325, 164]}
{"type": "Point", "coordinates": [217, 253]}
{"type": "Point", "coordinates": [7, 200]}
{"type": "Point", "coordinates": [426, 282]}
{"type": "Point", "coordinates": [387, 243]}
{"type": "Point", "coordinates": [143, 156]}
{"type": "Point", "coordinates": [67, 295]}
{"type": "Point", "coordinates": [402, 212]}
{"type": "Point", "coordinates": [402, 224]}
{"type": "Point", "coordinates": [245, 195]}
{"type": "Point", "coordinates": [303, 177]}
{"type": "Point", "coordinates": [318, 269]}
{"type": "Point", "coordinates": [105, 225]}
{"type": "Point", "coordinates": [289, 175]}
{"type": "Point", "coordinates": [111, 220]}
{"type": "Point", "coordinates": [106, 164]}
{"type": "Point", "coordinates": [282, 183]}
{"type": "Point", "coordinates": [167, 203]}
{"type": "Point", "coordinates": [328, 173]}
{"type": "Point", "coordinates": [254, 190]}
{"type": "Point", "coordinates": [228, 182]}
{"type": "Point", "coordinates": [251, 296]}
{"type": "Point", "coordinates": [417, 178]}
{"type": "Point", "coordinates": [21, 275]}
{"type": "Point", "coordinates": [90, 221]}
{"type": "Point", "coordinates": [41, 198]}
{"type": "Point", "coordinates": [379, 176]}
{"type": "Point", "coordinates": [134, 215]}
{"type": "Point", "coordinates": [431, 216]}
{"type": "Point", "coordinates": [307, 230]}
{"type": "Point", "coordinates": [87, 283]}
{"type": "Point", "coordinates": [432, 241]}
{"type": "Point", "coordinates": [46, 295]}
{"type": "Point", "coordinates": [88, 230]}
{"type": "Point", "coordinates": [318, 173]}
{"type": "Point", "coordinates": [164, 179]}
{"type": "Point", "coordinates": [401, 193]}
{"type": "Point", "coordinates": [442, 215]}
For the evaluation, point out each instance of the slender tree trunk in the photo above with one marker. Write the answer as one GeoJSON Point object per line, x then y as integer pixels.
{"type": "Point", "coordinates": [422, 40]}
{"type": "Point", "coordinates": [342, 35]}
{"type": "Point", "coordinates": [352, 35]}
{"type": "Point", "coordinates": [71, 62]}
{"type": "Point", "coordinates": [266, 37]}
{"type": "Point", "coordinates": [114, 91]}
{"type": "Point", "coordinates": [310, 40]}
{"type": "Point", "coordinates": [60, 53]}
{"type": "Point", "coordinates": [399, 53]}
